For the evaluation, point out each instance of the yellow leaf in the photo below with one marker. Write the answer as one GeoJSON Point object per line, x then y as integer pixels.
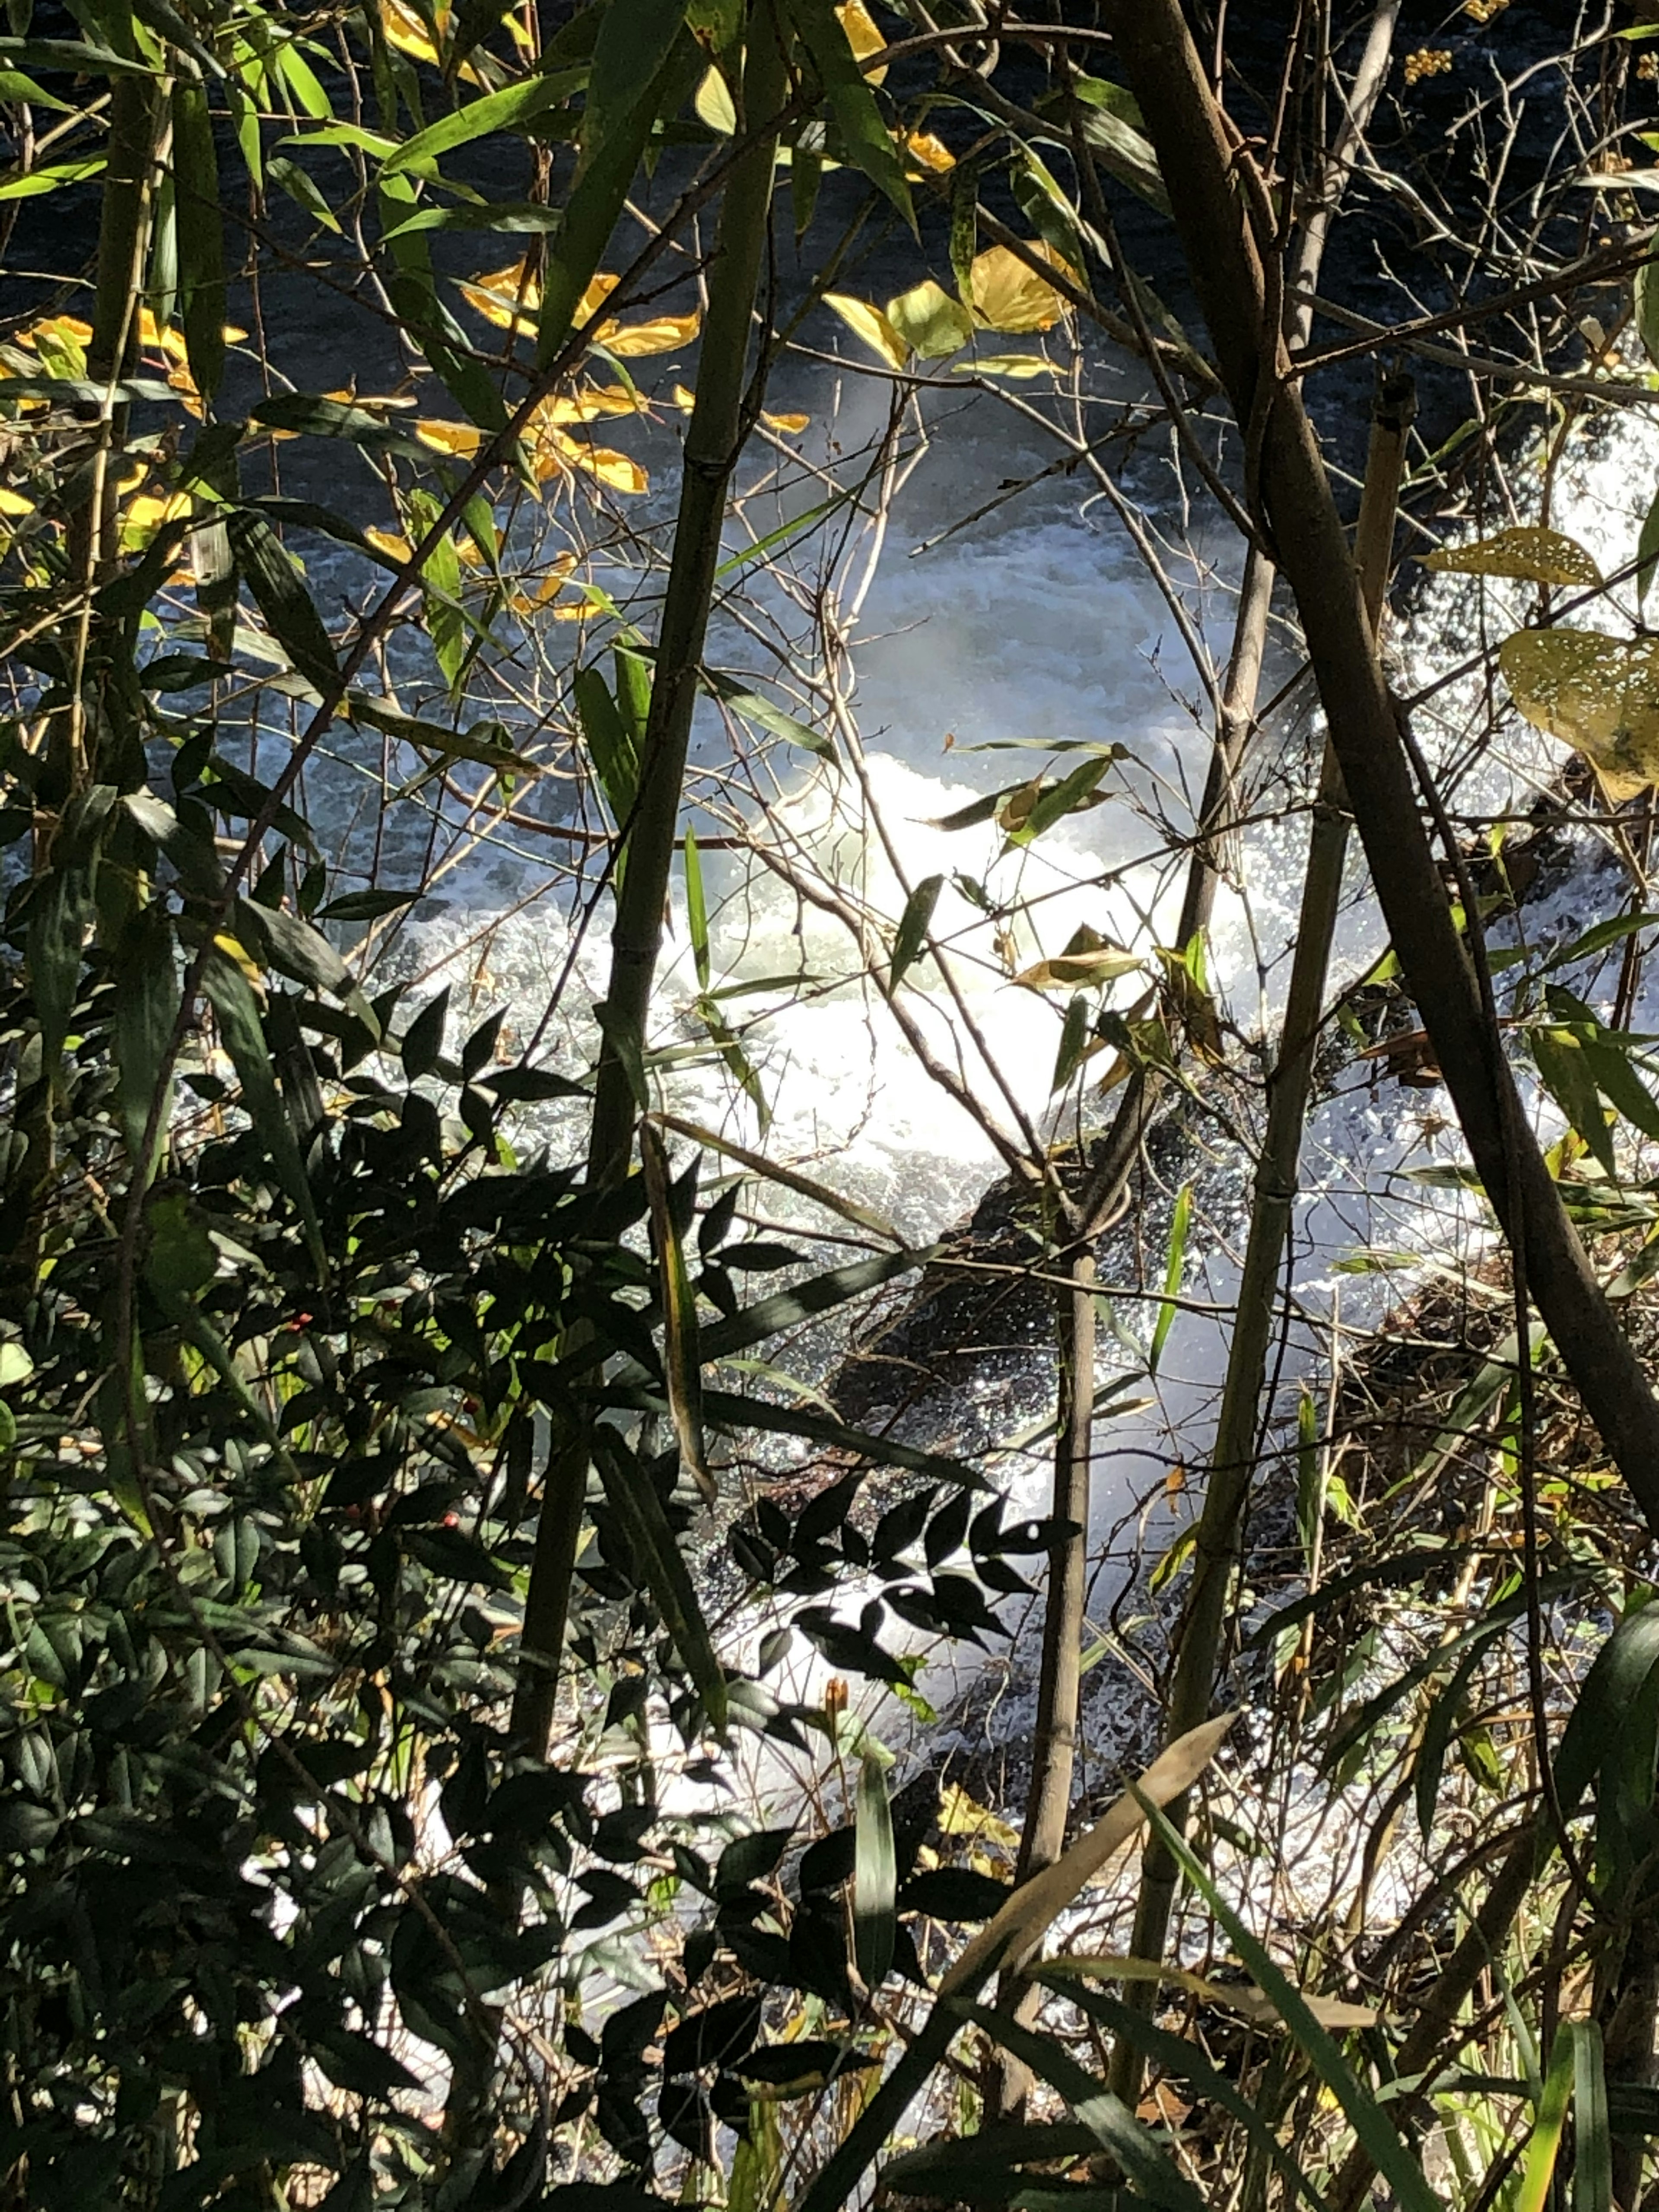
{"type": "Point", "coordinates": [233, 950]}
{"type": "Point", "coordinates": [588, 405]}
{"type": "Point", "coordinates": [462, 438]}
{"type": "Point", "coordinates": [394, 546]}
{"type": "Point", "coordinates": [1008, 296]}
{"type": "Point", "coordinates": [1597, 694]}
{"type": "Point", "coordinates": [1531, 556]}
{"type": "Point", "coordinates": [405, 30]}
{"type": "Point", "coordinates": [929, 321]}
{"type": "Point", "coordinates": [791, 425]}
{"type": "Point", "coordinates": [931, 153]}
{"type": "Point", "coordinates": [69, 328]}
{"type": "Point", "coordinates": [1006, 364]}
{"type": "Point", "coordinates": [507, 300]}
{"type": "Point", "coordinates": [661, 334]}
{"type": "Point", "coordinates": [142, 518]}
{"type": "Point", "coordinates": [1072, 971]}
{"type": "Point", "coordinates": [869, 323]}
{"type": "Point", "coordinates": [181, 381]}
{"type": "Point", "coordinates": [713, 104]}
{"type": "Point", "coordinates": [863, 35]}
{"type": "Point", "coordinates": [554, 454]}
{"type": "Point", "coordinates": [959, 1814]}
{"type": "Point", "coordinates": [13, 502]}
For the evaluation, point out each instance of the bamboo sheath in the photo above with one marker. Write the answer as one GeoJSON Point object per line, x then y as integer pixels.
{"type": "Point", "coordinates": [1211, 199]}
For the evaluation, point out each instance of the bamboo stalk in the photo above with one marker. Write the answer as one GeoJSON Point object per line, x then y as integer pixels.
{"type": "Point", "coordinates": [1227, 1485]}
{"type": "Point", "coordinates": [712, 442]}
{"type": "Point", "coordinates": [1217, 198]}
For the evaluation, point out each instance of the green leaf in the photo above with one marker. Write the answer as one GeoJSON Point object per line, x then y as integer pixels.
{"type": "Point", "coordinates": [1647, 545]}
{"type": "Point", "coordinates": [1592, 2164]}
{"type": "Point", "coordinates": [35, 183]}
{"type": "Point", "coordinates": [739, 1414]}
{"type": "Point", "coordinates": [913, 928]}
{"type": "Point", "coordinates": [875, 1877]}
{"type": "Point", "coordinates": [503, 111]}
{"type": "Point", "coordinates": [1567, 1078]}
{"type": "Point", "coordinates": [1608, 1694]}
{"type": "Point", "coordinates": [273, 577]}
{"type": "Point", "coordinates": [869, 143]}
{"type": "Point", "coordinates": [231, 996]}
{"type": "Point", "coordinates": [696, 912]}
{"type": "Point", "coordinates": [1388, 2154]}
{"type": "Point", "coordinates": [634, 1498]}
{"type": "Point", "coordinates": [1538, 2169]}
{"type": "Point", "coordinates": [682, 1350]}
{"type": "Point", "coordinates": [820, 1294]}
{"type": "Point", "coordinates": [146, 1008]}
{"type": "Point", "coordinates": [755, 709]}
{"type": "Point", "coordinates": [1074, 1039]}
{"type": "Point", "coordinates": [1174, 1265]}
{"type": "Point", "coordinates": [611, 745]}
{"type": "Point", "coordinates": [985, 2167]}
{"type": "Point", "coordinates": [199, 220]}
{"type": "Point", "coordinates": [302, 188]}
{"type": "Point", "coordinates": [1056, 801]}
{"type": "Point", "coordinates": [1152, 2174]}
{"type": "Point", "coordinates": [485, 743]}
{"type": "Point", "coordinates": [1182, 2059]}
{"type": "Point", "coordinates": [1647, 310]}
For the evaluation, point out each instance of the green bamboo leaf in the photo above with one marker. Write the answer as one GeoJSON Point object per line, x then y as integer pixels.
{"type": "Point", "coordinates": [1609, 1693]}
{"type": "Point", "coordinates": [1567, 1076]}
{"type": "Point", "coordinates": [34, 184]}
{"type": "Point", "coordinates": [875, 1877]}
{"type": "Point", "coordinates": [302, 189]}
{"type": "Point", "coordinates": [869, 142]}
{"type": "Point", "coordinates": [754, 707]}
{"type": "Point", "coordinates": [696, 912]}
{"type": "Point", "coordinates": [610, 745]}
{"type": "Point", "coordinates": [913, 928]}
{"type": "Point", "coordinates": [634, 1496]}
{"type": "Point", "coordinates": [820, 1294]}
{"type": "Point", "coordinates": [1437, 1739]}
{"type": "Point", "coordinates": [1152, 2173]}
{"type": "Point", "coordinates": [507, 110]}
{"type": "Point", "coordinates": [1174, 1265]}
{"type": "Point", "coordinates": [1538, 2169]}
{"type": "Point", "coordinates": [1647, 310]}
{"type": "Point", "coordinates": [1019, 1924]}
{"type": "Point", "coordinates": [1075, 1040]}
{"type": "Point", "coordinates": [1592, 2164]}
{"type": "Point", "coordinates": [639, 65]}
{"type": "Point", "coordinates": [1619, 1083]}
{"type": "Point", "coordinates": [1056, 801]}
{"type": "Point", "coordinates": [146, 1008]}
{"type": "Point", "coordinates": [231, 996]}
{"type": "Point", "coordinates": [273, 577]}
{"type": "Point", "coordinates": [1382, 2142]}
{"type": "Point", "coordinates": [1182, 2060]}
{"type": "Point", "coordinates": [682, 1349]}
{"type": "Point", "coordinates": [199, 221]}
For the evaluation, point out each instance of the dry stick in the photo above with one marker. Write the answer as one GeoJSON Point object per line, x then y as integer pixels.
{"type": "Point", "coordinates": [1201, 166]}
{"type": "Point", "coordinates": [1227, 1484]}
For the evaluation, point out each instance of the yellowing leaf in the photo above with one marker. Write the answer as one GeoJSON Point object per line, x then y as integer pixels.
{"type": "Point", "coordinates": [661, 334]}
{"type": "Point", "coordinates": [868, 323]}
{"type": "Point", "coordinates": [13, 502]}
{"type": "Point", "coordinates": [142, 518]}
{"type": "Point", "coordinates": [392, 544]}
{"type": "Point", "coordinates": [864, 35]}
{"type": "Point", "coordinates": [404, 29]}
{"type": "Point", "coordinates": [931, 153]}
{"type": "Point", "coordinates": [1597, 694]}
{"type": "Point", "coordinates": [929, 321]}
{"type": "Point", "coordinates": [553, 453]}
{"type": "Point", "coordinates": [791, 425]}
{"type": "Point", "coordinates": [462, 438]}
{"type": "Point", "coordinates": [959, 1814]}
{"type": "Point", "coordinates": [545, 589]}
{"type": "Point", "coordinates": [507, 299]}
{"type": "Point", "coordinates": [1008, 296]}
{"type": "Point", "coordinates": [1006, 364]}
{"type": "Point", "coordinates": [1531, 555]}
{"type": "Point", "coordinates": [1071, 970]}
{"type": "Point", "coordinates": [713, 104]}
